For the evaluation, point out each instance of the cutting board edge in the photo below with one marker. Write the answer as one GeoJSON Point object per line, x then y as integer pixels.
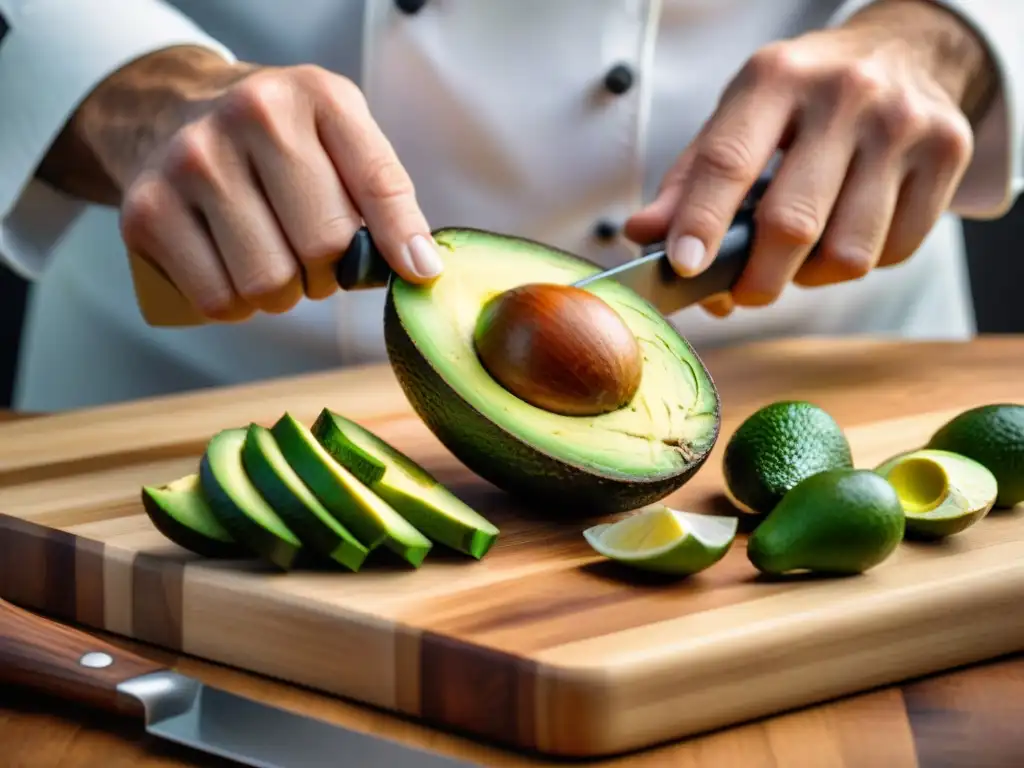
{"type": "Point", "coordinates": [517, 699]}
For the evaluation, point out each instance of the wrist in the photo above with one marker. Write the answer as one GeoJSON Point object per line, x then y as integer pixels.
{"type": "Point", "coordinates": [129, 114]}
{"type": "Point", "coordinates": [940, 42]}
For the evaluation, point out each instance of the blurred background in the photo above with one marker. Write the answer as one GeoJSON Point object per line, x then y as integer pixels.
{"type": "Point", "coordinates": [994, 260]}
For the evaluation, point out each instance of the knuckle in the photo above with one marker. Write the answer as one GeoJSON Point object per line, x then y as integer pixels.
{"type": "Point", "coordinates": [899, 120]}
{"type": "Point", "coordinates": [796, 221]}
{"type": "Point", "coordinates": [141, 209]}
{"type": "Point", "coordinates": [726, 157]}
{"type": "Point", "coordinates": [265, 281]}
{"type": "Point", "coordinates": [259, 100]}
{"type": "Point", "coordinates": [192, 153]}
{"type": "Point", "coordinates": [217, 303]}
{"type": "Point", "coordinates": [770, 63]}
{"type": "Point", "coordinates": [859, 82]}
{"type": "Point", "coordinates": [845, 261]}
{"type": "Point", "coordinates": [952, 138]}
{"type": "Point", "coordinates": [327, 241]}
{"type": "Point", "coordinates": [385, 179]}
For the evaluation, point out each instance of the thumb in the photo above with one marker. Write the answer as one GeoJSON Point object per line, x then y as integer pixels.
{"type": "Point", "coordinates": [652, 222]}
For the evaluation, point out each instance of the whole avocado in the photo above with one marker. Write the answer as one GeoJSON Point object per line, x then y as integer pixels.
{"type": "Point", "coordinates": [775, 448]}
{"type": "Point", "coordinates": [992, 435]}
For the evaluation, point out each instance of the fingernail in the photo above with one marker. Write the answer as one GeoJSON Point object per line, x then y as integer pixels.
{"type": "Point", "coordinates": [422, 256]}
{"type": "Point", "coordinates": [686, 254]}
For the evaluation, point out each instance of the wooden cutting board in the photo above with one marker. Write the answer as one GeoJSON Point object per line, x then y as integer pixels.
{"type": "Point", "coordinates": [541, 645]}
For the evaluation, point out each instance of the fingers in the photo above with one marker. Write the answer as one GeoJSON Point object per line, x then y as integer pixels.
{"type": "Point", "coordinates": [935, 172]}
{"type": "Point", "coordinates": [156, 224]}
{"type": "Point", "coordinates": [376, 181]}
{"type": "Point", "coordinates": [214, 176]}
{"type": "Point", "coordinates": [729, 155]}
{"type": "Point", "coordinates": [793, 212]}
{"type": "Point", "coordinates": [274, 123]}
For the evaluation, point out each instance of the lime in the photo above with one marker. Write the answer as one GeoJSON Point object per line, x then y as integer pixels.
{"type": "Point", "coordinates": [942, 493]}
{"type": "Point", "coordinates": [665, 540]}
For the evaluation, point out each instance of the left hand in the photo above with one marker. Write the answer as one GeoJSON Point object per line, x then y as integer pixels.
{"type": "Point", "coordinates": [872, 117]}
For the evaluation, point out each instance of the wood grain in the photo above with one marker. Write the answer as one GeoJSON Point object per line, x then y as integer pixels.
{"type": "Point", "coordinates": [847, 381]}
{"type": "Point", "coordinates": [43, 655]}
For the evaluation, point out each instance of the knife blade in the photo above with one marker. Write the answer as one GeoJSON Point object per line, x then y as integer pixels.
{"type": "Point", "coordinates": [38, 653]}
{"type": "Point", "coordinates": [651, 275]}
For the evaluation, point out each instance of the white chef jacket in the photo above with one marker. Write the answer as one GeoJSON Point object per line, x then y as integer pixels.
{"type": "Point", "coordinates": [500, 113]}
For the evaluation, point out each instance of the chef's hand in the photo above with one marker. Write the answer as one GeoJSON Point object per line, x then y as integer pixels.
{"type": "Point", "coordinates": [249, 182]}
{"type": "Point", "coordinates": [873, 121]}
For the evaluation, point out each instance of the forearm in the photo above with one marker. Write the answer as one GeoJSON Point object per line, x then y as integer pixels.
{"type": "Point", "coordinates": [128, 114]}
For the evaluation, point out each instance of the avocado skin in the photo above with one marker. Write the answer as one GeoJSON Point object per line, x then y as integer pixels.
{"type": "Point", "coordinates": [778, 446]}
{"type": "Point", "coordinates": [519, 469]}
{"type": "Point", "coordinates": [187, 537]}
{"type": "Point", "coordinates": [811, 528]}
{"type": "Point", "coordinates": [992, 435]}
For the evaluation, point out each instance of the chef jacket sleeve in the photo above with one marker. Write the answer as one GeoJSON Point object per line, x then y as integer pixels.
{"type": "Point", "coordinates": [995, 175]}
{"type": "Point", "coordinates": [52, 54]}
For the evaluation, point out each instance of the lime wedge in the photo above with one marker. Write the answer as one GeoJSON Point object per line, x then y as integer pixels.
{"type": "Point", "coordinates": [942, 493]}
{"type": "Point", "coordinates": [665, 540]}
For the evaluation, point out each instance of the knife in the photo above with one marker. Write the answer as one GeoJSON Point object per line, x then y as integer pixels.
{"type": "Point", "coordinates": [650, 275]}
{"type": "Point", "coordinates": [38, 653]}
{"type": "Point", "coordinates": [363, 267]}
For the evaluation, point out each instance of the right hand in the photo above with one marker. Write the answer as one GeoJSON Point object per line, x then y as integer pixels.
{"type": "Point", "coordinates": [249, 202]}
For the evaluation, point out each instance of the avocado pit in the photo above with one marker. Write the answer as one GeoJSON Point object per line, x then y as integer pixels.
{"type": "Point", "coordinates": [559, 348]}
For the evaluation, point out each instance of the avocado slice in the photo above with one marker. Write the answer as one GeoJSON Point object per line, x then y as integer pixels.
{"type": "Point", "coordinates": [601, 464]}
{"type": "Point", "coordinates": [414, 493]}
{"type": "Point", "coordinates": [180, 512]}
{"type": "Point", "coordinates": [943, 493]}
{"type": "Point", "coordinates": [371, 519]}
{"type": "Point", "coordinates": [301, 511]}
{"type": "Point", "coordinates": [239, 506]}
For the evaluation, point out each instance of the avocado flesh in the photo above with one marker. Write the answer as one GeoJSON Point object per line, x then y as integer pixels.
{"type": "Point", "coordinates": [606, 463]}
{"type": "Point", "coordinates": [942, 493]}
{"type": "Point", "coordinates": [180, 512]}
{"type": "Point", "coordinates": [301, 511]}
{"type": "Point", "coordinates": [371, 519]}
{"type": "Point", "coordinates": [239, 506]}
{"type": "Point", "coordinates": [405, 485]}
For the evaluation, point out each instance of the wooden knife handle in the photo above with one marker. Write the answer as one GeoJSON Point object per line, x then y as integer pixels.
{"type": "Point", "coordinates": [163, 305]}
{"type": "Point", "coordinates": [41, 654]}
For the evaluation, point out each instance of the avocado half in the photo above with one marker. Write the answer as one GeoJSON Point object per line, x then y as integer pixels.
{"type": "Point", "coordinates": [593, 465]}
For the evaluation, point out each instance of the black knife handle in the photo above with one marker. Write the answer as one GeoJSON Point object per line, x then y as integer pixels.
{"type": "Point", "coordinates": [363, 266]}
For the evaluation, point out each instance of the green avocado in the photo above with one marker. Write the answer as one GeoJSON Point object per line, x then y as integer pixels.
{"type": "Point", "coordinates": [405, 485]}
{"type": "Point", "coordinates": [371, 519]}
{"type": "Point", "coordinates": [839, 521]}
{"type": "Point", "coordinates": [238, 505]}
{"type": "Point", "coordinates": [992, 435]}
{"type": "Point", "coordinates": [279, 484]}
{"type": "Point", "coordinates": [597, 465]}
{"type": "Point", "coordinates": [180, 512]}
{"type": "Point", "coordinates": [775, 448]}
